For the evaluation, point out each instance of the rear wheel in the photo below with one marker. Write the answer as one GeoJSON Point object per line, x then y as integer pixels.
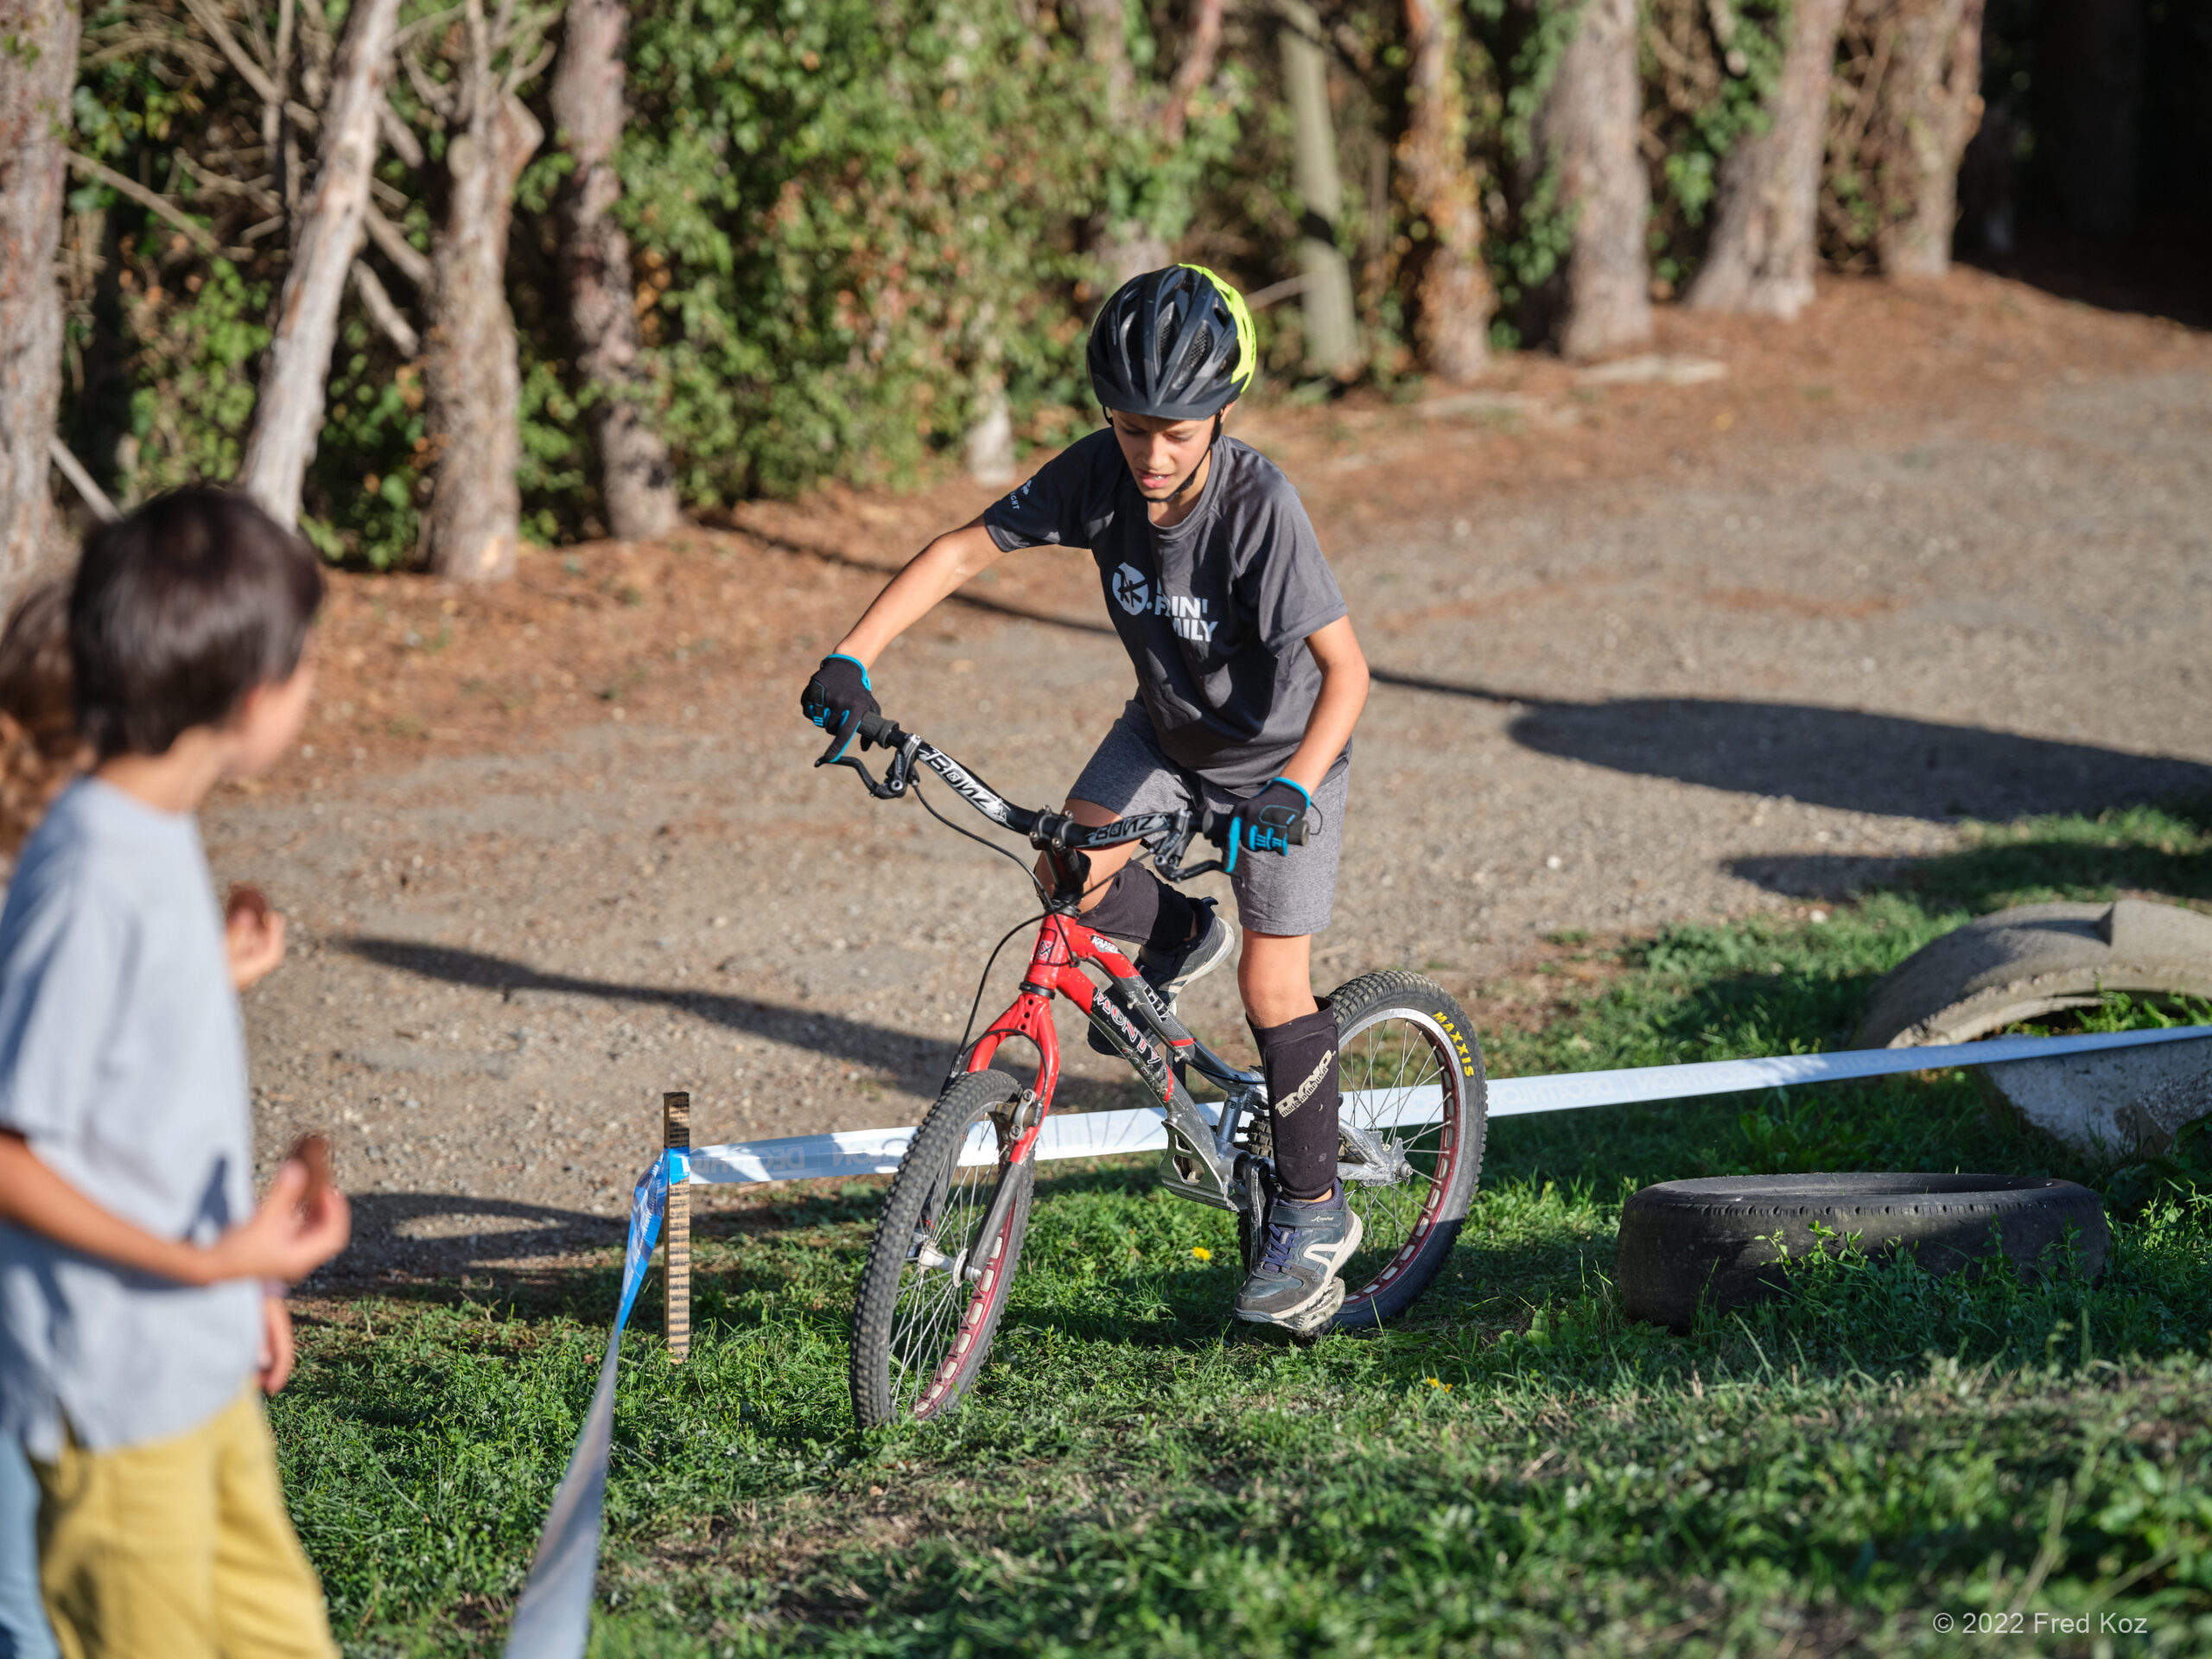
{"type": "Point", "coordinates": [924, 1324]}
{"type": "Point", "coordinates": [1414, 1112]}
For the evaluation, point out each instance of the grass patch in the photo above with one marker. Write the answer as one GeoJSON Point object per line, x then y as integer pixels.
{"type": "Point", "coordinates": [1513, 1468]}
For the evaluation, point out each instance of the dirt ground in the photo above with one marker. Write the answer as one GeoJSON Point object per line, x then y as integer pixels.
{"type": "Point", "coordinates": [1723, 628]}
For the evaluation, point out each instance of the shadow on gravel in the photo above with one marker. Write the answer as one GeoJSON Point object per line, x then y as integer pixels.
{"type": "Point", "coordinates": [919, 1061]}
{"type": "Point", "coordinates": [1859, 762]}
{"type": "Point", "coordinates": [807, 1028]}
{"type": "Point", "coordinates": [445, 1233]}
{"type": "Point", "coordinates": [1835, 757]}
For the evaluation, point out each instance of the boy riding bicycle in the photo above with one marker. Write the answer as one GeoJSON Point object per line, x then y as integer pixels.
{"type": "Point", "coordinates": [1249, 681]}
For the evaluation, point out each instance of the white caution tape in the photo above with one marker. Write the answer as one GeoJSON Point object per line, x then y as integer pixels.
{"type": "Point", "coordinates": [1102, 1134]}
{"type": "Point", "coordinates": [552, 1620]}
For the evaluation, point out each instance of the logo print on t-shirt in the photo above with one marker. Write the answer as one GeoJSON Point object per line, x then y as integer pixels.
{"type": "Point", "coordinates": [1131, 591]}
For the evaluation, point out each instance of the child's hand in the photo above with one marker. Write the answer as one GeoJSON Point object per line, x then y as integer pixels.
{"type": "Point", "coordinates": [275, 1361]}
{"type": "Point", "coordinates": [254, 934]}
{"type": "Point", "coordinates": [836, 698]}
{"type": "Point", "coordinates": [294, 1232]}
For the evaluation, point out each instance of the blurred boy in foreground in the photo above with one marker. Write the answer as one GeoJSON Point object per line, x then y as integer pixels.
{"type": "Point", "coordinates": [140, 1291]}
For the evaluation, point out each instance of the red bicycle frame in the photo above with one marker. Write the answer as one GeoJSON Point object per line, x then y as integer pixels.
{"type": "Point", "coordinates": [1063, 944]}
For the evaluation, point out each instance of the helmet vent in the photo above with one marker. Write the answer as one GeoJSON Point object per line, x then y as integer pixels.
{"type": "Point", "coordinates": [1196, 354]}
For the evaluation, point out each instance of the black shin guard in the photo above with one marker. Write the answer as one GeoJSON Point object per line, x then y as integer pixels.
{"type": "Point", "coordinates": [1137, 905]}
{"type": "Point", "coordinates": [1299, 1059]}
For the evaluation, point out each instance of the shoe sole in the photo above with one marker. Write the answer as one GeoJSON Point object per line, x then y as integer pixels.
{"type": "Point", "coordinates": [1317, 1310]}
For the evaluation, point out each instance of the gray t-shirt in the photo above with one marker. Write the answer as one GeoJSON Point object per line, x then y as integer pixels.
{"type": "Point", "coordinates": [123, 1064]}
{"type": "Point", "coordinates": [1214, 612]}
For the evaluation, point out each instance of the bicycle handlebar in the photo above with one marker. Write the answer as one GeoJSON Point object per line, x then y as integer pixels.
{"type": "Point", "coordinates": [1170, 831]}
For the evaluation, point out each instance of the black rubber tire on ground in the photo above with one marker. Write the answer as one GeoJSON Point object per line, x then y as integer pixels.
{"type": "Point", "coordinates": [919, 1338]}
{"type": "Point", "coordinates": [1411, 1226]}
{"type": "Point", "coordinates": [1684, 1242]}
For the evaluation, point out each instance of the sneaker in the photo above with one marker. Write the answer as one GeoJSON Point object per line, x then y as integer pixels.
{"type": "Point", "coordinates": [1294, 1283]}
{"type": "Point", "coordinates": [1168, 971]}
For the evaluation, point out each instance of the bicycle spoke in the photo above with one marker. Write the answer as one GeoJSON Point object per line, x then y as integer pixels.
{"type": "Point", "coordinates": [934, 1303]}
{"type": "Point", "coordinates": [1391, 1065]}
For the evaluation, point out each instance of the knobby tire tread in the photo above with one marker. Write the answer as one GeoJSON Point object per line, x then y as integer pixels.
{"type": "Point", "coordinates": [936, 1146]}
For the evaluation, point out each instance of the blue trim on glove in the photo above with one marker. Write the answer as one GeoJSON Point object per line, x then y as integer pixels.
{"type": "Point", "coordinates": [867, 684]}
{"type": "Point", "coordinates": [1303, 794]}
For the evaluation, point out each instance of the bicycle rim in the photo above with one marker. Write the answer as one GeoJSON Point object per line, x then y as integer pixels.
{"type": "Point", "coordinates": [1404, 1085]}
{"type": "Point", "coordinates": [942, 1321]}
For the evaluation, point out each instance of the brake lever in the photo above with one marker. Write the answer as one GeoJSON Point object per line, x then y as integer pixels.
{"type": "Point", "coordinates": [1167, 857]}
{"type": "Point", "coordinates": [897, 775]}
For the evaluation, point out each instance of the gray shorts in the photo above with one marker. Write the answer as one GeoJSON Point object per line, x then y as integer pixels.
{"type": "Point", "coordinates": [1288, 894]}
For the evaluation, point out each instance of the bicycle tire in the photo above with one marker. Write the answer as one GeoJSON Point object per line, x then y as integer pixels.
{"type": "Point", "coordinates": [919, 1368]}
{"type": "Point", "coordinates": [1397, 1033]}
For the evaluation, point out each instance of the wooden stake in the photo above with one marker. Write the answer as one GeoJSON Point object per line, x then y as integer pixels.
{"type": "Point", "coordinates": [676, 1136]}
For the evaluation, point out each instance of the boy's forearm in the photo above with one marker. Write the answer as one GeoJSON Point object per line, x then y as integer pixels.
{"type": "Point", "coordinates": [34, 1198]}
{"type": "Point", "coordinates": [1337, 708]}
{"type": "Point", "coordinates": [929, 577]}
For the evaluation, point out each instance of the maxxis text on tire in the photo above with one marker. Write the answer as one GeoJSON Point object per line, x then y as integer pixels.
{"type": "Point", "coordinates": [1682, 1243]}
{"type": "Point", "coordinates": [916, 1364]}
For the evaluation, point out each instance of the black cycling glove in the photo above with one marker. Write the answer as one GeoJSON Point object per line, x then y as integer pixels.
{"type": "Point", "coordinates": [836, 698]}
{"type": "Point", "coordinates": [1260, 823]}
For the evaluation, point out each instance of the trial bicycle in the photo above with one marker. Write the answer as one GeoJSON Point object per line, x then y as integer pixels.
{"type": "Point", "coordinates": [941, 1264]}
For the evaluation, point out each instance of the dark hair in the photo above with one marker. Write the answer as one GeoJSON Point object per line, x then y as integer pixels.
{"type": "Point", "coordinates": [39, 743]}
{"type": "Point", "coordinates": [179, 611]}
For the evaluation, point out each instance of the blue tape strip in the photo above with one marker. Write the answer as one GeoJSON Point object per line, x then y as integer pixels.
{"type": "Point", "coordinates": [553, 1617]}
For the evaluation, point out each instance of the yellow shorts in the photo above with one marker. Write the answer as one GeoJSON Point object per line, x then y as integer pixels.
{"type": "Point", "coordinates": [178, 1549]}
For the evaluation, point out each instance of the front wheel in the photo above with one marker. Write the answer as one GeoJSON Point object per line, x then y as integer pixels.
{"type": "Point", "coordinates": [1415, 1111]}
{"type": "Point", "coordinates": [933, 1288]}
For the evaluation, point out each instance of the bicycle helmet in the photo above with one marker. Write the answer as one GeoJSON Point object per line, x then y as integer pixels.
{"type": "Point", "coordinates": [1174, 344]}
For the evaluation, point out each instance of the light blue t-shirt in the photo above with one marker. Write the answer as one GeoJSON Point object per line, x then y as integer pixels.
{"type": "Point", "coordinates": [123, 1064]}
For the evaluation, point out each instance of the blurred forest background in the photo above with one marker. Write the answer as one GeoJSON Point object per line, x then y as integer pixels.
{"type": "Point", "coordinates": [435, 279]}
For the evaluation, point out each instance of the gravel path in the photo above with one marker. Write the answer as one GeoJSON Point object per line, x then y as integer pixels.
{"type": "Point", "coordinates": [1604, 706]}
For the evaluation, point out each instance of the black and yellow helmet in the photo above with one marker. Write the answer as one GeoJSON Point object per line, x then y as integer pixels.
{"type": "Point", "coordinates": [1175, 344]}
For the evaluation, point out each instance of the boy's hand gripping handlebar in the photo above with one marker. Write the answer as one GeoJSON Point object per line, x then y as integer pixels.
{"type": "Point", "coordinates": [1166, 833]}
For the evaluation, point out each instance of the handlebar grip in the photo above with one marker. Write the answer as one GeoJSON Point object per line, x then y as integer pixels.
{"type": "Point", "coordinates": [876, 730]}
{"type": "Point", "coordinates": [1215, 828]}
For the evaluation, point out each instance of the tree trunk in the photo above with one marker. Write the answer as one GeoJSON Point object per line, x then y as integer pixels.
{"type": "Point", "coordinates": [636, 482]}
{"type": "Point", "coordinates": [1588, 129]}
{"type": "Point", "coordinates": [1762, 252]}
{"type": "Point", "coordinates": [472, 374]}
{"type": "Point", "coordinates": [1931, 105]}
{"type": "Point", "coordinates": [1453, 296]}
{"type": "Point", "coordinates": [1125, 247]}
{"type": "Point", "coordinates": [1332, 330]}
{"type": "Point", "coordinates": [1196, 68]}
{"type": "Point", "coordinates": [38, 69]}
{"type": "Point", "coordinates": [287, 415]}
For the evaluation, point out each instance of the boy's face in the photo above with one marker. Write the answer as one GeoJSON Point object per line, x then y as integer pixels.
{"type": "Point", "coordinates": [269, 719]}
{"type": "Point", "coordinates": [1162, 455]}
